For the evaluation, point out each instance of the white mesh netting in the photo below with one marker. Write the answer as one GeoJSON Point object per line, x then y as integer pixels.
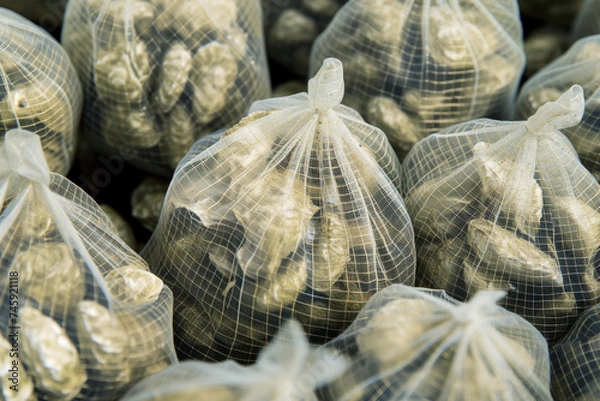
{"type": "Point", "coordinates": [292, 26]}
{"type": "Point", "coordinates": [159, 74]}
{"type": "Point", "coordinates": [576, 360]}
{"type": "Point", "coordinates": [579, 65]}
{"type": "Point", "coordinates": [419, 344]}
{"type": "Point", "coordinates": [286, 370]}
{"type": "Point", "coordinates": [508, 206]}
{"type": "Point", "coordinates": [39, 89]}
{"type": "Point", "coordinates": [414, 67]}
{"type": "Point", "coordinates": [587, 21]}
{"type": "Point", "coordinates": [293, 212]}
{"type": "Point", "coordinates": [86, 315]}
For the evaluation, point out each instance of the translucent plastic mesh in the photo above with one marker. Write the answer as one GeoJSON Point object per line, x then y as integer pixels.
{"type": "Point", "coordinates": [579, 65]}
{"type": "Point", "coordinates": [296, 212]}
{"type": "Point", "coordinates": [414, 67]}
{"type": "Point", "coordinates": [576, 360]}
{"type": "Point", "coordinates": [159, 74]}
{"type": "Point", "coordinates": [39, 89]}
{"type": "Point", "coordinates": [419, 344]}
{"type": "Point", "coordinates": [587, 21]}
{"type": "Point", "coordinates": [292, 26]}
{"type": "Point", "coordinates": [86, 315]}
{"type": "Point", "coordinates": [508, 206]}
{"type": "Point", "coordinates": [286, 370]}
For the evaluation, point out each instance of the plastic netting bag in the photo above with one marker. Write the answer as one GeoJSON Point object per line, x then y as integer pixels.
{"type": "Point", "coordinates": [295, 211]}
{"type": "Point", "coordinates": [579, 65]}
{"type": "Point", "coordinates": [415, 67]}
{"type": "Point", "coordinates": [418, 344]}
{"type": "Point", "coordinates": [87, 316]}
{"type": "Point", "coordinates": [587, 21]}
{"type": "Point", "coordinates": [576, 360]}
{"type": "Point", "coordinates": [39, 89]}
{"type": "Point", "coordinates": [159, 74]}
{"type": "Point", "coordinates": [286, 370]}
{"type": "Point", "coordinates": [292, 26]}
{"type": "Point", "coordinates": [508, 206]}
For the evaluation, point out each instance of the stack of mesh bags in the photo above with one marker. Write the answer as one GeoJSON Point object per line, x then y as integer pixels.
{"type": "Point", "coordinates": [286, 370]}
{"type": "Point", "coordinates": [39, 89]}
{"type": "Point", "coordinates": [587, 21]}
{"type": "Point", "coordinates": [576, 360]}
{"type": "Point", "coordinates": [418, 344]}
{"type": "Point", "coordinates": [508, 206]}
{"type": "Point", "coordinates": [82, 316]}
{"type": "Point", "coordinates": [294, 212]}
{"type": "Point", "coordinates": [158, 74]}
{"type": "Point", "coordinates": [579, 65]}
{"type": "Point", "coordinates": [415, 67]}
{"type": "Point", "coordinates": [291, 28]}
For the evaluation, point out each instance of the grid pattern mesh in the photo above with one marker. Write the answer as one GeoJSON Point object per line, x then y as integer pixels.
{"type": "Point", "coordinates": [414, 67]}
{"type": "Point", "coordinates": [419, 344]}
{"type": "Point", "coordinates": [295, 211]}
{"type": "Point", "coordinates": [92, 319]}
{"type": "Point", "coordinates": [159, 74]}
{"type": "Point", "coordinates": [508, 206]}
{"type": "Point", "coordinates": [39, 89]}
{"type": "Point", "coordinates": [576, 360]}
{"type": "Point", "coordinates": [579, 65]}
{"type": "Point", "coordinates": [286, 370]}
{"type": "Point", "coordinates": [291, 26]}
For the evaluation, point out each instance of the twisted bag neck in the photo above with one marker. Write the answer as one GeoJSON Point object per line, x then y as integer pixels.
{"type": "Point", "coordinates": [25, 156]}
{"type": "Point", "coordinates": [326, 88]}
{"type": "Point", "coordinates": [565, 112]}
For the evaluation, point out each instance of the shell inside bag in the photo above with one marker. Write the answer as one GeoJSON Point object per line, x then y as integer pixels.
{"type": "Point", "coordinates": [159, 74]}
{"type": "Point", "coordinates": [293, 212]}
{"type": "Point", "coordinates": [508, 206]}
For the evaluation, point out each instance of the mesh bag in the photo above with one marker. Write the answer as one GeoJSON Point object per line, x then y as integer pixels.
{"type": "Point", "coordinates": [576, 360]}
{"type": "Point", "coordinates": [587, 21]}
{"type": "Point", "coordinates": [286, 370]}
{"type": "Point", "coordinates": [295, 211]}
{"type": "Point", "coordinates": [508, 206]}
{"type": "Point", "coordinates": [87, 316]}
{"type": "Point", "coordinates": [158, 74]}
{"type": "Point", "coordinates": [579, 65]}
{"type": "Point", "coordinates": [418, 344]}
{"type": "Point", "coordinates": [39, 89]}
{"type": "Point", "coordinates": [414, 67]}
{"type": "Point", "coordinates": [292, 26]}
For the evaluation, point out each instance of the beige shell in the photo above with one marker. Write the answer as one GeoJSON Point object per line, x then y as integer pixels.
{"type": "Point", "coordinates": [51, 358]}
{"type": "Point", "coordinates": [102, 344]}
{"type": "Point", "coordinates": [133, 286]}
{"type": "Point", "coordinates": [578, 225]}
{"type": "Point", "coordinates": [50, 274]}
{"type": "Point", "coordinates": [180, 134]}
{"type": "Point", "coordinates": [503, 253]}
{"type": "Point", "coordinates": [283, 288]}
{"type": "Point", "coordinates": [147, 200]}
{"type": "Point", "coordinates": [174, 73]}
{"type": "Point", "coordinates": [213, 74]}
{"type": "Point", "coordinates": [133, 127]}
{"type": "Point", "coordinates": [274, 212]}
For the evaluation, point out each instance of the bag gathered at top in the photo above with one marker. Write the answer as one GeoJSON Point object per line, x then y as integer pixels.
{"type": "Point", "coordinates": [414, 67]}
{"type": "Point", "coordinates": [415, 344]}
{"type": "Point", "coordinates": [294, 212]}
{"type": "Point", "coordinates": [579, 65]}
{"type": "Point", "coordinates": [159, 74]}
{"type": "Point", "coordinates": [286, 370]}
{"type": "Point", "coordinates": [508, 206]}
{"type": "Point", "coordinates": [87, 316]}
{"type": "Point", "coordinates": [39, 89]}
